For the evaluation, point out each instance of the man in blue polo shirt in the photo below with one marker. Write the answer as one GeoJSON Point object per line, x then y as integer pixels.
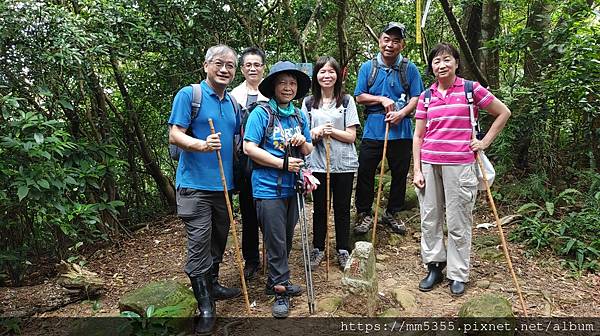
{"type": "Point", "coordinates": [380, 89]}
{"type": "Point", "coordinates": [200, 199]}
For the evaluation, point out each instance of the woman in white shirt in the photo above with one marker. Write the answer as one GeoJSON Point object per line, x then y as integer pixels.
{"type": "Point", "coordinates": [332, 116]}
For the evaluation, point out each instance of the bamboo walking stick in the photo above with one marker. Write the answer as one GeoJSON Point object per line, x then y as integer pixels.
{"type": "Point", "coordinates": [380, 184]}
{"type": "Point", "coordinates": [501, 232]}
{"type": "Point", "coordinates": [238, 254]}
{"type": "Point", "coordinates": [327, 202]}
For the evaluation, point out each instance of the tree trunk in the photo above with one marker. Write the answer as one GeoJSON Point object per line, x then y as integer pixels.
{"type": "Point", "coordinates": [490, 60]}
{"type": "Point", "coordinates": [341, 33]}
{"type": "Point", "coordinates": [162, 182]}
{"type": "Point", "coordinates": [471, 24]}
{"type": "Point", "coordinates": [462, 41]}
{"type": "Point", "coordinates": [538, 22]}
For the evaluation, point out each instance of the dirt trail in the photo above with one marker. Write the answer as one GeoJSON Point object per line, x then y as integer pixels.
{"type": "Point", "coordinates": [157, 252]}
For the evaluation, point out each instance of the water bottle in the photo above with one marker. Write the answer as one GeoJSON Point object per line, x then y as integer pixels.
{"type": "Point", "coordinates": [401, 102]}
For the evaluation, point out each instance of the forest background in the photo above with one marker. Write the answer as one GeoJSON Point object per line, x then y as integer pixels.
{"type": "Point", "coordinates": [86, 89]}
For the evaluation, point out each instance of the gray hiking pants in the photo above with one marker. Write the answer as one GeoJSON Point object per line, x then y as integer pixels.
{"type": "Point", "coordinates": [278, 218]}
{"type": "Point", "coordinates": [207, 225]}
{"type": "Point", "coordinates": [449, 190]}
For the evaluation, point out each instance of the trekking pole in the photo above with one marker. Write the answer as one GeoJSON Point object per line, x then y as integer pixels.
{"type": "Point", "coordinates": [327, 202]}
{"type": "Point", "coordinates": [380, 184]}
{"type": "Point", "coordinates": [501, 232]}
{"type": "Point", "coordinates": [310, 291]}
{"type": "Point", "coordinates": [238, 254]}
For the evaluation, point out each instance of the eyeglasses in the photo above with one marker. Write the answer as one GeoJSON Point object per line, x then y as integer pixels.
{"type": "Point", "coordinates": [255, 65]}
{"type": "Point", "coordinates": [220, 64]}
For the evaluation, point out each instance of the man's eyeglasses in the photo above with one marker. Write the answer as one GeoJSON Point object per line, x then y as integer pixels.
{"type": "Point", "coordinates": [255, 65]}
{"type": "Point", "coordinates": [220, 64]}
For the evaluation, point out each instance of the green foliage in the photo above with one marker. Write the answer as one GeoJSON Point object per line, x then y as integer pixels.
{"type": "Point", "coordinates": [45, 178]}
{"type": "Point", "coordinates": [567, 225]}
{"type": "Point", "coordinates": [151, 323]}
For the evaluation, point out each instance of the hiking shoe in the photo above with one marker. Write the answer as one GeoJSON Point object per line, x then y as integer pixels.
{"type": "Point", "coordinates": [281, 306]}
{"type": "Point", "coordinates": [316, 256]}
{"type": "Point", "coordinates": [250, 270]}
{"type": "Point", "coordinates": [390, 219]}
{"type": "Point", "coordinates": [364, 222]}
{"type": "Point", "coordinates": [290, 289]}
{"type": "Point", "coordinates": [343, 257]}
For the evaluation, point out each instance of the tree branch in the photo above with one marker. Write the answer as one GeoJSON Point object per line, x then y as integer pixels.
{"type": "Point", "coordinates": [464, 46]}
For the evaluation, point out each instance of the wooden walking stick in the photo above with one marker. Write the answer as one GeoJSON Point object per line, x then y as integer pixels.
{"type": "Point", "coordinates": [238, 254]}
{"type": "Point", "coordinates": [380, 184]}
{"type": "Point", "coordinates": [327, 202]}
{"type": "Point", "coordinates": [501, 232]}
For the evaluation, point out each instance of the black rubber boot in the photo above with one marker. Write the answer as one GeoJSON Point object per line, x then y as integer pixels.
{"type": "Point", "coordinates": [434, 276]}
{"type": "Point", "coordinates": [202, 286]}
{"type": "Point", "coordinates": [220, 292]}
{"type": "Point", "coordinates": [457, 288]}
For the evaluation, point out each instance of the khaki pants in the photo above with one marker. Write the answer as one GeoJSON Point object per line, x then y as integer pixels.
{"type": "Point", "coordinates": [453, 189]}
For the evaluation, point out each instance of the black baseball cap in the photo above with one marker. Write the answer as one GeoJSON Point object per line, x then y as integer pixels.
{"type": "Point", "coordinates": [399, 27]}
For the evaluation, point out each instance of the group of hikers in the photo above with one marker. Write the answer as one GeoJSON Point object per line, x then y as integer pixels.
{"type": "Point", "coordinates": [260, 120]}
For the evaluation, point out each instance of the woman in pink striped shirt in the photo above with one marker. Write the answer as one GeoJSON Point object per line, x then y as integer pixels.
{"type": "Point", "coordinates": [444, 170]}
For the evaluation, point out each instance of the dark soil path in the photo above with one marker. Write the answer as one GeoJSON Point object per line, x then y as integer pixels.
{"type": "Point", "coordinates": [157, 252]}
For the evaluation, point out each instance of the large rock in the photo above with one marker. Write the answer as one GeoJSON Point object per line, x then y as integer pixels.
{"type": "Point", "coordinates": [405, 298]}
{"type": "Point", "coordinates": [169, 298]}
{"type": "Point", "coordinates": [491, 309]}
{"type": "Point", "coordinates": [360, 281]}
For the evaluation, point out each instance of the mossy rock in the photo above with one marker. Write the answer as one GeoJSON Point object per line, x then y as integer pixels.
{"type": "Point", "coordinates": [490, 309]}
{"type": "Point", "coordinates": [169, 298]}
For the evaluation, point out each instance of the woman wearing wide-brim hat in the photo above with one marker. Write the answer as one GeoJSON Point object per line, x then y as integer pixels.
{"type": "Point", "coordinates": [276, 132]}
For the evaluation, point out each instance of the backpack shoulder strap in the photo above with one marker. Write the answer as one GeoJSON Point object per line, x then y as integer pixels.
{"type": "Point", "coordinates": [372, 73]}
{"type": "Point", "coordinates": [298, 116]}
{"type": "Point", "coordinates": [402, 75]}
{"type": "Point", "coordinates": [270, 123]}
{"type": "Point", "coordinates": [236, 107]}
{"type": "Point", "coordinates": [345, 103]}
{"type": "Point", "coordinates": [469, 91]}
{"type": "Point", "coordinates": [469, 96]}
{"type": "Point", "coordinates": [427, 98]}
{"type": "Point", "coordinates": [196, 99]}
{"type": "Point", "coordinates": [309, 102]}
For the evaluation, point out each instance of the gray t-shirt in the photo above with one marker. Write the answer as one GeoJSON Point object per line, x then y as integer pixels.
{"type": "Point", "coordinates": [343, 158]}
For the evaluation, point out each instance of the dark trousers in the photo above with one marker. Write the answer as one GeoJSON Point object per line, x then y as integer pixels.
{"type": "Point", "coordinates": [207, 225]}
{"type": "Point", "coordinates": [249, 224]}
{"type": "Point", "coordinates": [398, 157]}
{"type": "Point", "coordinates": [279, 218]}
{"type": "Point", "coordinates": [341, 192]}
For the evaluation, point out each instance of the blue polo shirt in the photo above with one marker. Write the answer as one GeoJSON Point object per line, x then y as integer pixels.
{"type": "Point", "coordinates": [264, 179]}
{"type": "Point", "coordinates": [200, 170]}
{"type": "Point", "coordinates": [387, 84]}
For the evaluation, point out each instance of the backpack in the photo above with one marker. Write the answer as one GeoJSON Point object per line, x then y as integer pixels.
{"type": "Point", "coordinates": [309, 103]}
{"type": "Point", "coordinates": [468, 94]}
{"type": "Point", "coordinates": [174, 151]}
{"type": "Point", "coordinates": [244, 164]}
{"type": "Point", "coordinates": [402, 77]}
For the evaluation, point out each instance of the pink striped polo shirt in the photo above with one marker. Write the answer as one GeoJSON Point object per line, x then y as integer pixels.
{"type": "Point", "coordinates": [449, 132]}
